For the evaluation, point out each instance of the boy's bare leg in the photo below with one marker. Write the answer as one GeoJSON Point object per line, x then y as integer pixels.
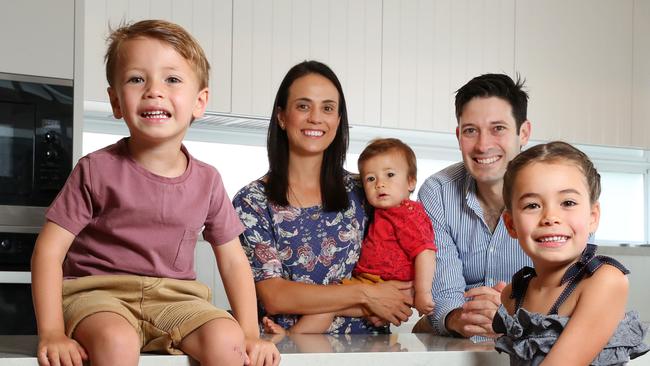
{"type": "Point", "coordinates": [217, 342]}
{"type": "Point", "coordinates": [109, 339]}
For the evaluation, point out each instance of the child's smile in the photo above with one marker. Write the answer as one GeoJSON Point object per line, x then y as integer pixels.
{"type": "Point", "coordinates": [551, 214]}
{"type": "Point", "coordinates": [156, 91]}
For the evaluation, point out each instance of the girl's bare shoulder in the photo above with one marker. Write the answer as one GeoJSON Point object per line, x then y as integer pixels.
{"type": "Point", "coordinates": [506, 300]}
{"type": "Point", "coordinates": [607, 279]}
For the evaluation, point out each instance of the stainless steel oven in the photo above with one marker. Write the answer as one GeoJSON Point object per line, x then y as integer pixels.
{"type": "Point", "coordinates": [36, 117]}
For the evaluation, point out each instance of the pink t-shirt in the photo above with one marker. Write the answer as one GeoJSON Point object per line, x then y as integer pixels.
{"type": "Point", "coordinates": [128, 220]}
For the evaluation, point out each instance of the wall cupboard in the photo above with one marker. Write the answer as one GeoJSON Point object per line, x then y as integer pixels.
{"type": "Point", "coordinates": [586, 62]}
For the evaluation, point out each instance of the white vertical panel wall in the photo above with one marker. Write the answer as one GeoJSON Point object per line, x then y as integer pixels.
{"type": "Point", "coordinates": [209, 21]}
{"type": "Point", "coordinates": [431, 48]}
{"type": "Point", "coordinates": [400, 62]}
{"type": "Point", "coordinates": [577, 58]}
{"type": "Point", "coordinates": [271, 36]}
{"type": "Point", "coordinates": [641, 75]}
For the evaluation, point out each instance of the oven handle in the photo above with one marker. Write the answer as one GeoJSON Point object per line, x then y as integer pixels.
{"type": "Point", "coordinates": [15, 277]}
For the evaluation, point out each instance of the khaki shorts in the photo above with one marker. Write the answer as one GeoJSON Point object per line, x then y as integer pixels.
{"type": "Point", "coordinates": [363, 278]}
{"type": "Point", "coordinates": [162, 310]}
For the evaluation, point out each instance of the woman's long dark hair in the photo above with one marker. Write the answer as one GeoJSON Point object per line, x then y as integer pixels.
{"type": "Point", "coordinates": [333, 193]}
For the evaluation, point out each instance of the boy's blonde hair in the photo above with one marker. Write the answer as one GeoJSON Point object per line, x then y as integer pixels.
{"type": "Point", "coordinates": [170, 33]}
{"type": "Point", "coordinates": [381, 146]}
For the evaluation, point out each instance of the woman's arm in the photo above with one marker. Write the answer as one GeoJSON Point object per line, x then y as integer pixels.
{"type": "Point", "coordinates": [387, 300]}
{"type": "Point", "coordinates": [599, 309]}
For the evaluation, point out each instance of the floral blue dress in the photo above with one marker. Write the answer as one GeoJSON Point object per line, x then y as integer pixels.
{"type": "Point", "coordinates": [303, 244]}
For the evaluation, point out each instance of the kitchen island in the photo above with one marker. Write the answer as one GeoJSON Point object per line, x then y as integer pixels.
{"type": "Point", "coordinates": [324, 350]}
{"type": "Point", "coordinates": [319, 350]}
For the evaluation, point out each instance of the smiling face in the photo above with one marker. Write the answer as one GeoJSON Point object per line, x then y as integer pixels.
{"type": "Point", "coordinates": [551, 212]}
{"type": "Point", "coordinates": [156, 91]}
{"type": "Point", "coordinates": [311, 117]}
{"type": "Point", "coordinates": [385, 179]}
{"type": "Point", "coordinates": [488, 139]}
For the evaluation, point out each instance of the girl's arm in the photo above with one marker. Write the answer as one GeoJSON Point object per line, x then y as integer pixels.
{"type": "Point", "coordinates": [599, 309]}
{"type": "Point", "coordinates": [47, 282]}
{"type": "Point", "coordinates": [387, 300]}
{"type": "Point", "coordinates": [238, 282]}
{"type": "Point", "coordinates": [425, 267]}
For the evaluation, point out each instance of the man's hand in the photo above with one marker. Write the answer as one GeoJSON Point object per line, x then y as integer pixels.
{"type": "Point", "coordinates": [475, 316]}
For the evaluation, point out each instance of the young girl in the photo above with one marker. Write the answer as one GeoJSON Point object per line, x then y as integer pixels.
{"type": "Point", "coordinates": [399, 244]}
{"type": "Point", "coordinates": [569, 309]}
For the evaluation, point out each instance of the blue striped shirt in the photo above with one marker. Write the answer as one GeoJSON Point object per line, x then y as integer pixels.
{"type": "Point", "coordinates": [469, 255]}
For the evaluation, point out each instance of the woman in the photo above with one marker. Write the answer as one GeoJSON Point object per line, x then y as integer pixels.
{"type": "Point", "coordinates": [304, 219]}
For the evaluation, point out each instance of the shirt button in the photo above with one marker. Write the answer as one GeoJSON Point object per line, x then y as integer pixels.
{"type": "Point", "coordinates": [492, 250]}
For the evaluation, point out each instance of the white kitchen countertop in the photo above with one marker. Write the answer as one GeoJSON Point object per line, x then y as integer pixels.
{"type": "Point", "coordinates": [325, 350]}
{"type": "Point", "coordinates": [320, 350]}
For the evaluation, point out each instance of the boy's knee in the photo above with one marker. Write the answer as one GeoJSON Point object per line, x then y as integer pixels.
{"type": "Point", "coordinates": [221, 339]}
{"type": "Point", "coordinates": [108, 337]}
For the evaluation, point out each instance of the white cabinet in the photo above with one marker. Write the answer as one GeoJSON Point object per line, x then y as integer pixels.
{"type": "Point", "coordinates": [431, 48]}
{"type": "Point", "coordinates": [586, 62]}
{"type": "Point", "coordinates": [577, 57]}
{"type": "Point", "coordinates": [37, 38]}
{"type": "Point", "coordinates": [271, 36]}
{"type": "Point", "coordinates": [641, 75]}
{"type": "Point", "coordinates": [209, 21]}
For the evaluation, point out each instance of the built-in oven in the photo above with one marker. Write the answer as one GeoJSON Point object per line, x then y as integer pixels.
{"type": "Point", "coordinates": [36, 116]}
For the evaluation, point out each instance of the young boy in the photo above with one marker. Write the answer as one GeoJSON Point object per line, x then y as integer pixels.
{"type": "Point", "coordinates": [127, 221]}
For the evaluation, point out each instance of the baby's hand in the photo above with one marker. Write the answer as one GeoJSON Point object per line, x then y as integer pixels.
{"type": "Point", "coordinates": [261, 353]}
{"type": "Point", "coordinates": [58, 349]}
{"type": "Point", "coordinates": [424, 302]}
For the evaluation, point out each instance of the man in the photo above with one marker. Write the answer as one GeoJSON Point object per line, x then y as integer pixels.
{"type": "Point", "coordinates": [476, 256]}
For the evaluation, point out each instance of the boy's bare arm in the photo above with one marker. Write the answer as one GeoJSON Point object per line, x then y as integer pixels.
{"type": "Point", "coordinates": [238, 282]}
{"type": "Point", "coordinates": [47, 281]}
{"type": "Point", "coordinates": [425, 267]}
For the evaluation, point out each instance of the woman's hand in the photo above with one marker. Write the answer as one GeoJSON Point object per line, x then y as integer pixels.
{"type": "Point", "coordinates": [390, 300]}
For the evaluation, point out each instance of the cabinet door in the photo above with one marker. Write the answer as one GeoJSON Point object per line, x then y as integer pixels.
{"type": "Point", "coordinates": [37, 38]}
{"type": "Point", "coordinates": [577, 59]}
{"type": "Point", "coordinates": [209, 21]}
{"type": "Point", "coordinates": [269, 37]}
{"type": "Point", "coordinates": [431, 48]}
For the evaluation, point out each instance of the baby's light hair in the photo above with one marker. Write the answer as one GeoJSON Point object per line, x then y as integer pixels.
{"type": "Point", "coordinates": [164, 31]}
{"type": "Point", "coordinates": [381, 146]}
{"type": "Point", "coordinates": [556, 151]}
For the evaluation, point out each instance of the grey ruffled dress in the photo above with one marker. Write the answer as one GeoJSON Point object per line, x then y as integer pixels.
{"type": "Point", "coordinates": [528, 337]}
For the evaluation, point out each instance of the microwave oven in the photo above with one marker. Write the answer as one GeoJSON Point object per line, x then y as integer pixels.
{"type": "Point", "coordinates": [35, 147]}
{"type": "Point", "coordinates": [35, 160]}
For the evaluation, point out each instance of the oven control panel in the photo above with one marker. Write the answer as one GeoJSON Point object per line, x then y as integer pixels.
{"type": "Point", "coordinates": [16, 251]}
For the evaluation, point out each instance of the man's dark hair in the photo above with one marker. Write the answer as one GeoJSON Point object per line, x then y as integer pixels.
{"type": "Point", "coordinates": [495, 85]}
